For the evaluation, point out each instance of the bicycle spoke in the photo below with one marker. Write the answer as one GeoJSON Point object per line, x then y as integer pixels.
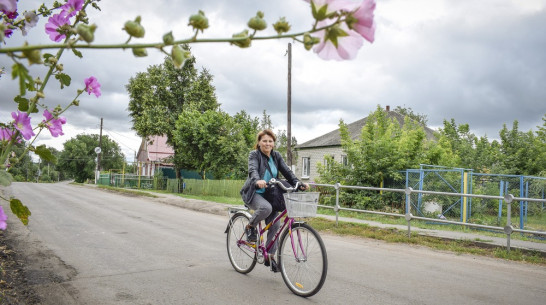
{"type": "Point", "coordinates": [303, 260]}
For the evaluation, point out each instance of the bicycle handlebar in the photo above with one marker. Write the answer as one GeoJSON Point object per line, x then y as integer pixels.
{"type": "Point", "coordinates": [288, 189]}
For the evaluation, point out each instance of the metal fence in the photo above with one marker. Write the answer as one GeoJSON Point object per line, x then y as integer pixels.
{"type": "Point", "coordinates": [465, 181]}
{"type": "Point", "coordinates": [409, 193]}
{"type": "Point", "coordinates": [141, 182]}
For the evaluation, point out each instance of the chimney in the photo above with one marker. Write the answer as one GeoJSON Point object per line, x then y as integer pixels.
{"type": "Point", "coordinates": [388, 108]}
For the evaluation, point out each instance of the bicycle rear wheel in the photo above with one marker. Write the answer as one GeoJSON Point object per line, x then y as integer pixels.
{"type": "Point", "coordinates": [303, 263]}
{"type": "Point", "coordinates": [241, 255]}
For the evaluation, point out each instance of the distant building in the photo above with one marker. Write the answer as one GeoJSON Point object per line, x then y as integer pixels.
{"type": "Point", "coordinates": [154, 154]}
{"type": "Point", "coordinates": [313, 151]}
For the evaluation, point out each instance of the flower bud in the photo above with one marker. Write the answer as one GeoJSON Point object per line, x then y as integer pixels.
{"type": "Point", "coordinates": [281, 26]}
{"type": "Point", "coordinates": [60, 67]}
{"type": "Point", "coordinates": [140, 52]}
{"type": "Point", "coordinates": [33, 56]}
{"type": "Point", "coordinates": [257, 23]}
{"type": "Point", "coordinates": [86, 32]}
{"type": "Point", "coordinates": [40, 94]}
{"type": "Point", "coordinates": [309, 41]}
{"type": "Point", "coordinates": [244, 43]}
{"type": "Point", "coordinates": [179, 56]}
{"type": "Point", "coordinates": [168, 38]}
{"type": "Point", "coordinates": [2, 29]}
{"type": "Point", "coordinates": [134, 28]}
{"type": "Point", "coordinates": [199, 21]}
{"type": "Point", "coordinates": [76, 102]}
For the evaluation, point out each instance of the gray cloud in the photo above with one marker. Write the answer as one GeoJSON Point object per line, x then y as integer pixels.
{"type": "Point", "coordinates": [478, 62]}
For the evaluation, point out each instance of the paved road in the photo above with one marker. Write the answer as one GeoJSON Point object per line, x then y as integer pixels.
{"type": "Point", "coordinates": [106, 248]}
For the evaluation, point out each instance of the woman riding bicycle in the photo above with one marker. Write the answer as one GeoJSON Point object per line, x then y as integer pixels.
{"type": "Point", "coordinates": [264, 163]}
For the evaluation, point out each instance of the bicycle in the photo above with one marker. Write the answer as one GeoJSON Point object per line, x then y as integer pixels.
{"type": "Point", "coordinates": [301, 253]}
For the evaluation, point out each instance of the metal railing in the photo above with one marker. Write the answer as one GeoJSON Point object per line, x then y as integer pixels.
{"type": "Point", "coordinates": [508, 229]}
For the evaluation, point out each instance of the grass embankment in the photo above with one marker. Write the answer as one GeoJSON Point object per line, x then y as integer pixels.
{"type": "Point", "coordinates": [389, 234]}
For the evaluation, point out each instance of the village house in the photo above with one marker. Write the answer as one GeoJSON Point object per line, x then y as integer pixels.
{"type": "Point", "coordinates": [154, 154]}
{"type": "Point", "coordinates": [314, 151]}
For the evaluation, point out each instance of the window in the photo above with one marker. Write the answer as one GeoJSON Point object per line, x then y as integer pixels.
{"type": "Point", "coordinates": [306, 167]}
{"type": "Point", "coordinates": [344, 160]}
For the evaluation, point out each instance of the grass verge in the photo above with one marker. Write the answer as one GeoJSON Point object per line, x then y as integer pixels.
{"type": "Point", "coordinates": [393, 235]}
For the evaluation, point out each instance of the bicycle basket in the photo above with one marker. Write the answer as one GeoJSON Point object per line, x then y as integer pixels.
{"type": "Point", "coordinates": [302, 204]}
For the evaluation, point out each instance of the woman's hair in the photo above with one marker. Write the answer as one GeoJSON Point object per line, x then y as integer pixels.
{"type": "Point", "coordinates": [262, 133]}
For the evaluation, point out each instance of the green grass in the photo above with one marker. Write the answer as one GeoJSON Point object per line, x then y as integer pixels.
{"type": "Point", "coordinates": [433, 225]}
{"type": "Point", "coordinates": [396, 236]}
{"type": "Point", "coordinates": [127, 191]}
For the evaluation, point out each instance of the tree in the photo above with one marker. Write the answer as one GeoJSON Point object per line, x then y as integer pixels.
{"type": "Point", "coordinates": [24, 169]}
{"type": "Point", "coordinates": [282, 146]}
{"type": "Point", "coordinates": [214, 142]}
{"type": "Point", "coordinates": [78, 156]}
{"type": "Point", "coordinates": [158, 96]}
{"type": "Point", "coordinates": [421, 118]}
{"type": "Point", "coordinates": [521, 152]}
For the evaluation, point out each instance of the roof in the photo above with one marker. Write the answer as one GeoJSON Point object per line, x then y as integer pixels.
{"type": "Point", "coordinates": [333, 138]}
{"type": "Point", "coordinates": [154, 149]}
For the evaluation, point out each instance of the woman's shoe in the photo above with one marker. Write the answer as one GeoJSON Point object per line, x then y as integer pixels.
{"type": "Point", "coordinates": [271, 262]}
{"type": "Point", "coordinates": [251, 234]}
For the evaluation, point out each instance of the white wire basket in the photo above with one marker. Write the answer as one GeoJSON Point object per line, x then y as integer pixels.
{"type": "Point", "coordinates": [301, 204]}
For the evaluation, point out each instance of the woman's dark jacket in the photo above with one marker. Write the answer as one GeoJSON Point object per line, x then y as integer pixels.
{"type": "Point", "coordinates": [256, 170]}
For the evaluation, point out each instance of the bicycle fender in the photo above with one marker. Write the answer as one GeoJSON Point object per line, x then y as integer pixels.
{"type": "Point", "coordinates": [237, 214]}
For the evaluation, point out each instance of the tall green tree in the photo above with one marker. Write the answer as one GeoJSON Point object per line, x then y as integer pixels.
{"type": "Point", "coordinates": [520, 151]}
{"type": "Point", "coordinates": [214, 142]}
{"type": "Point", "coordinates": [158, 96]}
{"type": "Point", "coordinates": [78, 158]}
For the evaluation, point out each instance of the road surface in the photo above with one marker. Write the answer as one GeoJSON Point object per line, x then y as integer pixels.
{"type": "Point", "coordinates": [92, 246]}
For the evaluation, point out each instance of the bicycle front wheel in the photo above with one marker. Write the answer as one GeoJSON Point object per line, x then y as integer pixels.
{"type": "Point", "coordinates": [241, 255]}
{"type": "Point", "coordinates": [302, 259]}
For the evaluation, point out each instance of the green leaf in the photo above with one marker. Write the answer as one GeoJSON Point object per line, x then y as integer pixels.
{"type": "Point", "coordinates": [23, 103]}
{"type": "Point", "coordinates": [20, 210]}
{"type": "Point", "coordinates": [77, 53]}
{"type": "Point", "coordinates": [5, 178]}
{"type": "Point", "coordinates": [64, 79]}
{"type": "Point", "coordinates": [45, 154]}
{"type": "Point", "coordinates": [46, 56]}
{"type": "Point", "coordinates": [25, 80]}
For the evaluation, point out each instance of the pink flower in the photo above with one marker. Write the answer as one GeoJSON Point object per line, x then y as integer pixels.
{"type": "Point", "coordinates": [72, 7]}
{"type": "Point", "coordinates": [8, 6]}
{"type": "Point", "coordinates": [22, 123]}
{"type": "Point", "coordinates": [338, 43]}
{"type": "Point", "coordinates": [54, 125]}
{"type": "Point", "coordinates": [365, 24]}
{"type": "Point", "coordinates": [55, 22]}
{"type": "Point", "coordinates": [3, 218]}
{"type": "Point", "coordinates": [92, 86]}
{"type": "Point", "coordinates": [6, 134]}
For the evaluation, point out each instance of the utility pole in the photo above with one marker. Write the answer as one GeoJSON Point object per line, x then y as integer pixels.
{"type": "Point", "coordinates": [100, 145]}
{"type": "Point", "coordinates": [289, 109]}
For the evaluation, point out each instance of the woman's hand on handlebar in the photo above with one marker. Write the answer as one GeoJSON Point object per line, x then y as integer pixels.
{"type": "Point", "coordinates": [261, 184]}
{"type": "Point", "coordinates": [303, 186]}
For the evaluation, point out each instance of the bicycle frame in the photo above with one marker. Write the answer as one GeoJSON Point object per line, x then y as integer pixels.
{"type": "Point", "coordinates": [263, 248]}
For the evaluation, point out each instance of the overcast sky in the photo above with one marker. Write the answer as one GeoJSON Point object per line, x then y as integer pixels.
{"type": "Point", "coordinates": [479, 62]}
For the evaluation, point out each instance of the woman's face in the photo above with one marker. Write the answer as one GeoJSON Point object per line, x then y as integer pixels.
{"type": "Point", "coordinates": [266, 144]}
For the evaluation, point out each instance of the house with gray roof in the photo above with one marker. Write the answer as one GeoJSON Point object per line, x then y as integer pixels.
{"type": "Point", "coordinates": [314, 151]}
